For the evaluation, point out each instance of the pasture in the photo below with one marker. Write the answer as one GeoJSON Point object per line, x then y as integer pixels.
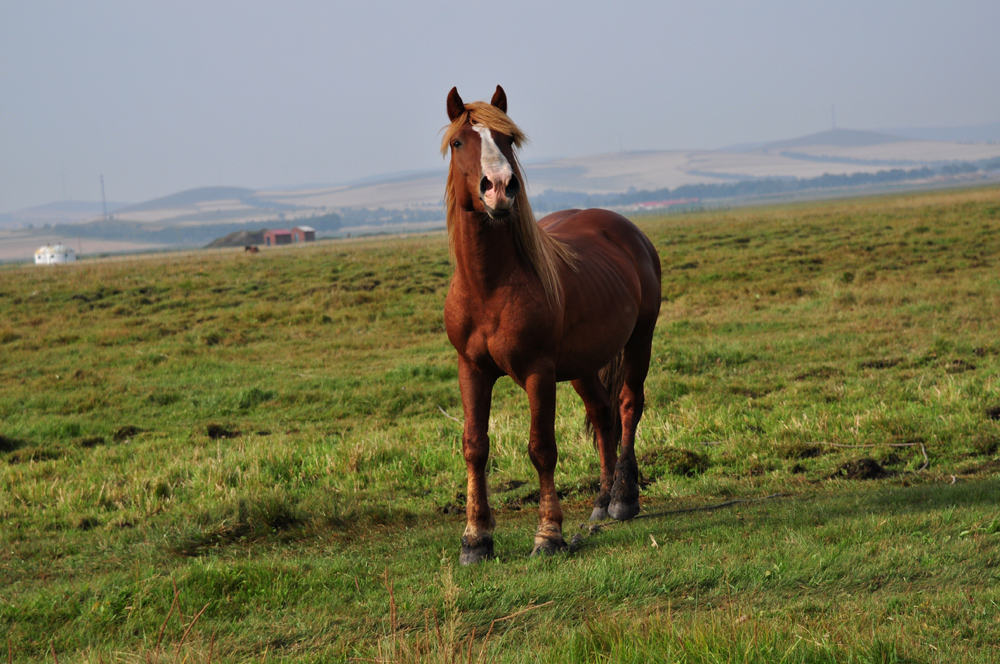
{"type": "Point", "coordinates": [224, 457]}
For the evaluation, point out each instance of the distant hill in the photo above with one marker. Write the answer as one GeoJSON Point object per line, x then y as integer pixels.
{"type": "Point", "coordinates": [985, 133]}
{"type": "Point", "coordinates": [191, 197]}
{"type": "Point", "coordinates": [60, 212]}
{"type": "Point", "coordinates": [188, 216]}
{"type": "Point", "coordinates": [239, 239]}
{"type": "Point", "coordinates": [842, 138]}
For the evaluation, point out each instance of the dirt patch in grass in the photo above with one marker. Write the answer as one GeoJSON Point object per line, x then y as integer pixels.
{"type": "Point", "coordinates": [959, 366]}
{"type": "Point", "coordinates": [125, 433]}
{"type": "Point", "coordinates": [993, 413]}
{"type": "Point", "coordinates": [799, 450]}
{"type": "Point", "coordinates": [881, 363]}
{"type": "Point", "coordinates": [531, 498]}
{"type": "Point", "coordinates": [985, 444]}
{"type": "Point", "coordinates": [509, 485]}
{"type": "Point", "coordinates": [673, 461]}
{"type": "Point", "coordinates": [10, 444]}
{"type": "Point", "coordinates": [216, 431]}
{"type": "Point", "coordinates": [87, 523]}
{"type": "Point", "coordinates": [862, 469]}
{"type": "Point", "coordinates": [34, 453]}
{"type": "Point", "coordinates": [820, 372]}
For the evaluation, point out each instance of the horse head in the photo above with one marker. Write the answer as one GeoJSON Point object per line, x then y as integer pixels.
{"type": "Point", "coordinates": [484, 173]}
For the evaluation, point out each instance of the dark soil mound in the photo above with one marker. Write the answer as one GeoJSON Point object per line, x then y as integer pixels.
{"type": "Point", "coordinates": [862, 469]}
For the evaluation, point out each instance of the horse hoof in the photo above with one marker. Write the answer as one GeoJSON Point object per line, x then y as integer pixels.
{"type": "Point", "coordinates": [474, 552]}
{"type": "Point", "coordinates": [549, 547]}
{"type": "Point", "coordinates": [623, 511]}
{"type": "Point", "coordinates": [599, 514]}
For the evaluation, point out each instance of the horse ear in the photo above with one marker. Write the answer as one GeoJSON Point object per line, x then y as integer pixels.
{"type": "Point", "coordinates": [455, 105]}
{"type": "Point", "coordinates": [500, 99]}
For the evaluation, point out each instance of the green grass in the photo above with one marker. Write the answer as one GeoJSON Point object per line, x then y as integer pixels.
{"type": "Point", "coordinates": [260, 439]}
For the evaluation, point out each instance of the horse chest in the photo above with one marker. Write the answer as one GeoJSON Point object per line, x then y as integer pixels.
{"type": "Point", "coordinates": [497, 337]}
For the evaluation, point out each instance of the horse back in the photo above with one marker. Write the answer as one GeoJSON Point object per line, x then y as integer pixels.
{"type": "Point", "coordinates": [614, 289]}
{"type": "Point", "coordinates": [608, 238]}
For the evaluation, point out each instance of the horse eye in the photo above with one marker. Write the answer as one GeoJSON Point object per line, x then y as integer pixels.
{"type": "Point", "coordinates": [456, 144]}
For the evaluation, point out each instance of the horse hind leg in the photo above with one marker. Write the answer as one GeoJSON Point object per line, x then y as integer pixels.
{"type": "Point", "coordinates": [624, 502]}
{"type": "Point", "coordinates": [602, 420]}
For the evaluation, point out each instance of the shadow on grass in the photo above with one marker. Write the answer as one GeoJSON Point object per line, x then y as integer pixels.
{"type": "Point", "coordinates": [803, 511]}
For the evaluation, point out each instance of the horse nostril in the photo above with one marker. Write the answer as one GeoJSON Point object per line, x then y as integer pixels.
{"type": "Point", "coordinates": [513, 187]}
{"type": "Point", "coordinates": [484, 185]}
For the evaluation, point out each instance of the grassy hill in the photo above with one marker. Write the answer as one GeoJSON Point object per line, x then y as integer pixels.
{"type": "Point", "coordinates": [224, 457]}
{"type": "Point", "coordinates": [192, 197]}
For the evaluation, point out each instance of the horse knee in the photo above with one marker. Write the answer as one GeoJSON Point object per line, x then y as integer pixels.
{"type": "Point", "coordinates": [543, 457]}
{"type": "Point", "coordinates": [476, 451]}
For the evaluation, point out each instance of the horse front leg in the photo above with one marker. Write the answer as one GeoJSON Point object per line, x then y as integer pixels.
{"type": "Point", "coordinates": [477, 391]}
{"type": "Point", "coordinates": [541, 389]}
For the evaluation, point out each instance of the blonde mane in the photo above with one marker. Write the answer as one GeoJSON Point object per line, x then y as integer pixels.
{"type": "Point", "coordinates": [542, 252]}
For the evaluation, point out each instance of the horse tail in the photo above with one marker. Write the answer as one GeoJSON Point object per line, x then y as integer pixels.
{"type": "Point", "coordinates": [612, 377]}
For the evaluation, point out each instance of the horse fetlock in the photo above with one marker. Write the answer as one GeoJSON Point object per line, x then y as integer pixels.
{"type": "Point", "coordinates": [625, 492]}
{"type": "Point", "coordinates": [549, 542]}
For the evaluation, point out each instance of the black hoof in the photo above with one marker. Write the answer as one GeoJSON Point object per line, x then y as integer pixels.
{"type": "Point", "coordinates": [476, 551]}
{"type": "Point", "coordinates": [623, 511]}
{"type": "Point", "coordinates": [625, 491]}
{"type": "Point", "coordinates": [600, 512]}
{"type": "Point", "coordinates": [549, 547]}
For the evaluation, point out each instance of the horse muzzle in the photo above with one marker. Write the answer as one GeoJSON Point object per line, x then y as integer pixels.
{"type": "Point", "coordinates": [498, 194]}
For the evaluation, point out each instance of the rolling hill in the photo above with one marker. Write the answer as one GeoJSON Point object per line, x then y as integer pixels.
{"type": "Point", "coordinates": [414, 200]}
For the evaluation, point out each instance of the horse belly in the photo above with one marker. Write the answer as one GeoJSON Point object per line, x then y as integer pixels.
{"type": "Point", "coordinates": [584, 351]}
{"type": "Point", "coordinates": [602, 309]}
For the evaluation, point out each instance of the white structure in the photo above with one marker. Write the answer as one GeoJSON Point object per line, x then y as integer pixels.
{"type": "Point", "coordinates": [58, 253]}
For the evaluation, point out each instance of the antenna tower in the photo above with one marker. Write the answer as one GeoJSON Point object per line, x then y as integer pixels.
{"type": "Point", "coordinates": [104, 202]}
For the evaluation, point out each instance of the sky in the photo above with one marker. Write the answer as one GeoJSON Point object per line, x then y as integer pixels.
{"type": "Point", "coordinates": [159, 97]}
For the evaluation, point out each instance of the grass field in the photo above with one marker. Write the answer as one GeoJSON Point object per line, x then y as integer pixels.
{"type": "Point", "coordinates": [228, 458]}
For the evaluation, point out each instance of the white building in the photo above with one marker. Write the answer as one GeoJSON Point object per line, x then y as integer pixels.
{"type": "Point", "coordinates": [54, 253]}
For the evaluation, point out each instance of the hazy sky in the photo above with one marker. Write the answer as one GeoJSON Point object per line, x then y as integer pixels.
{"type": "Point", "coordinates": [165, 96]}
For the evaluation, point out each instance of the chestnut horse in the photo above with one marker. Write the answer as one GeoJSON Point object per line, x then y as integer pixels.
{"type": "Point", "coordinates": [573, 297]}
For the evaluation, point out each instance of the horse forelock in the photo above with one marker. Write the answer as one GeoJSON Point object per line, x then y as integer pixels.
{"type": "Point", "coordinates": [541, 251]}
{"type": "Point", "coordinates": [486, 115]}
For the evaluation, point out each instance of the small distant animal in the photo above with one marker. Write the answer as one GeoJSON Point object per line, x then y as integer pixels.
{"type": "Point", "coordinates": [251, 249]}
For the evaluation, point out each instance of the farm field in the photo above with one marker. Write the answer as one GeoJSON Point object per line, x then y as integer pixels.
{"type": "Point", "coordinates": [228, 458]}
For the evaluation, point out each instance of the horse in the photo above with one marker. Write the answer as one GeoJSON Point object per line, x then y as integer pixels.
{"type": "Point", "coordinates": [573, 297]}
{"type": "Point", "coordinates": [251, 249]}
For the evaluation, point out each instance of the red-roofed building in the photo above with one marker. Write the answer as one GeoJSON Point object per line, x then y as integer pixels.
{"type": "Point", "coordinates": [303, 234]}
{"type": "Point", "coordinates": [277, 237]}
{"type": "Point", "coordinates": [298, 234]}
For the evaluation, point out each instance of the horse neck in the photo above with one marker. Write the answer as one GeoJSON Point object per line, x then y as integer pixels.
{"type": "Point", "coordinates": [485, 252]}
